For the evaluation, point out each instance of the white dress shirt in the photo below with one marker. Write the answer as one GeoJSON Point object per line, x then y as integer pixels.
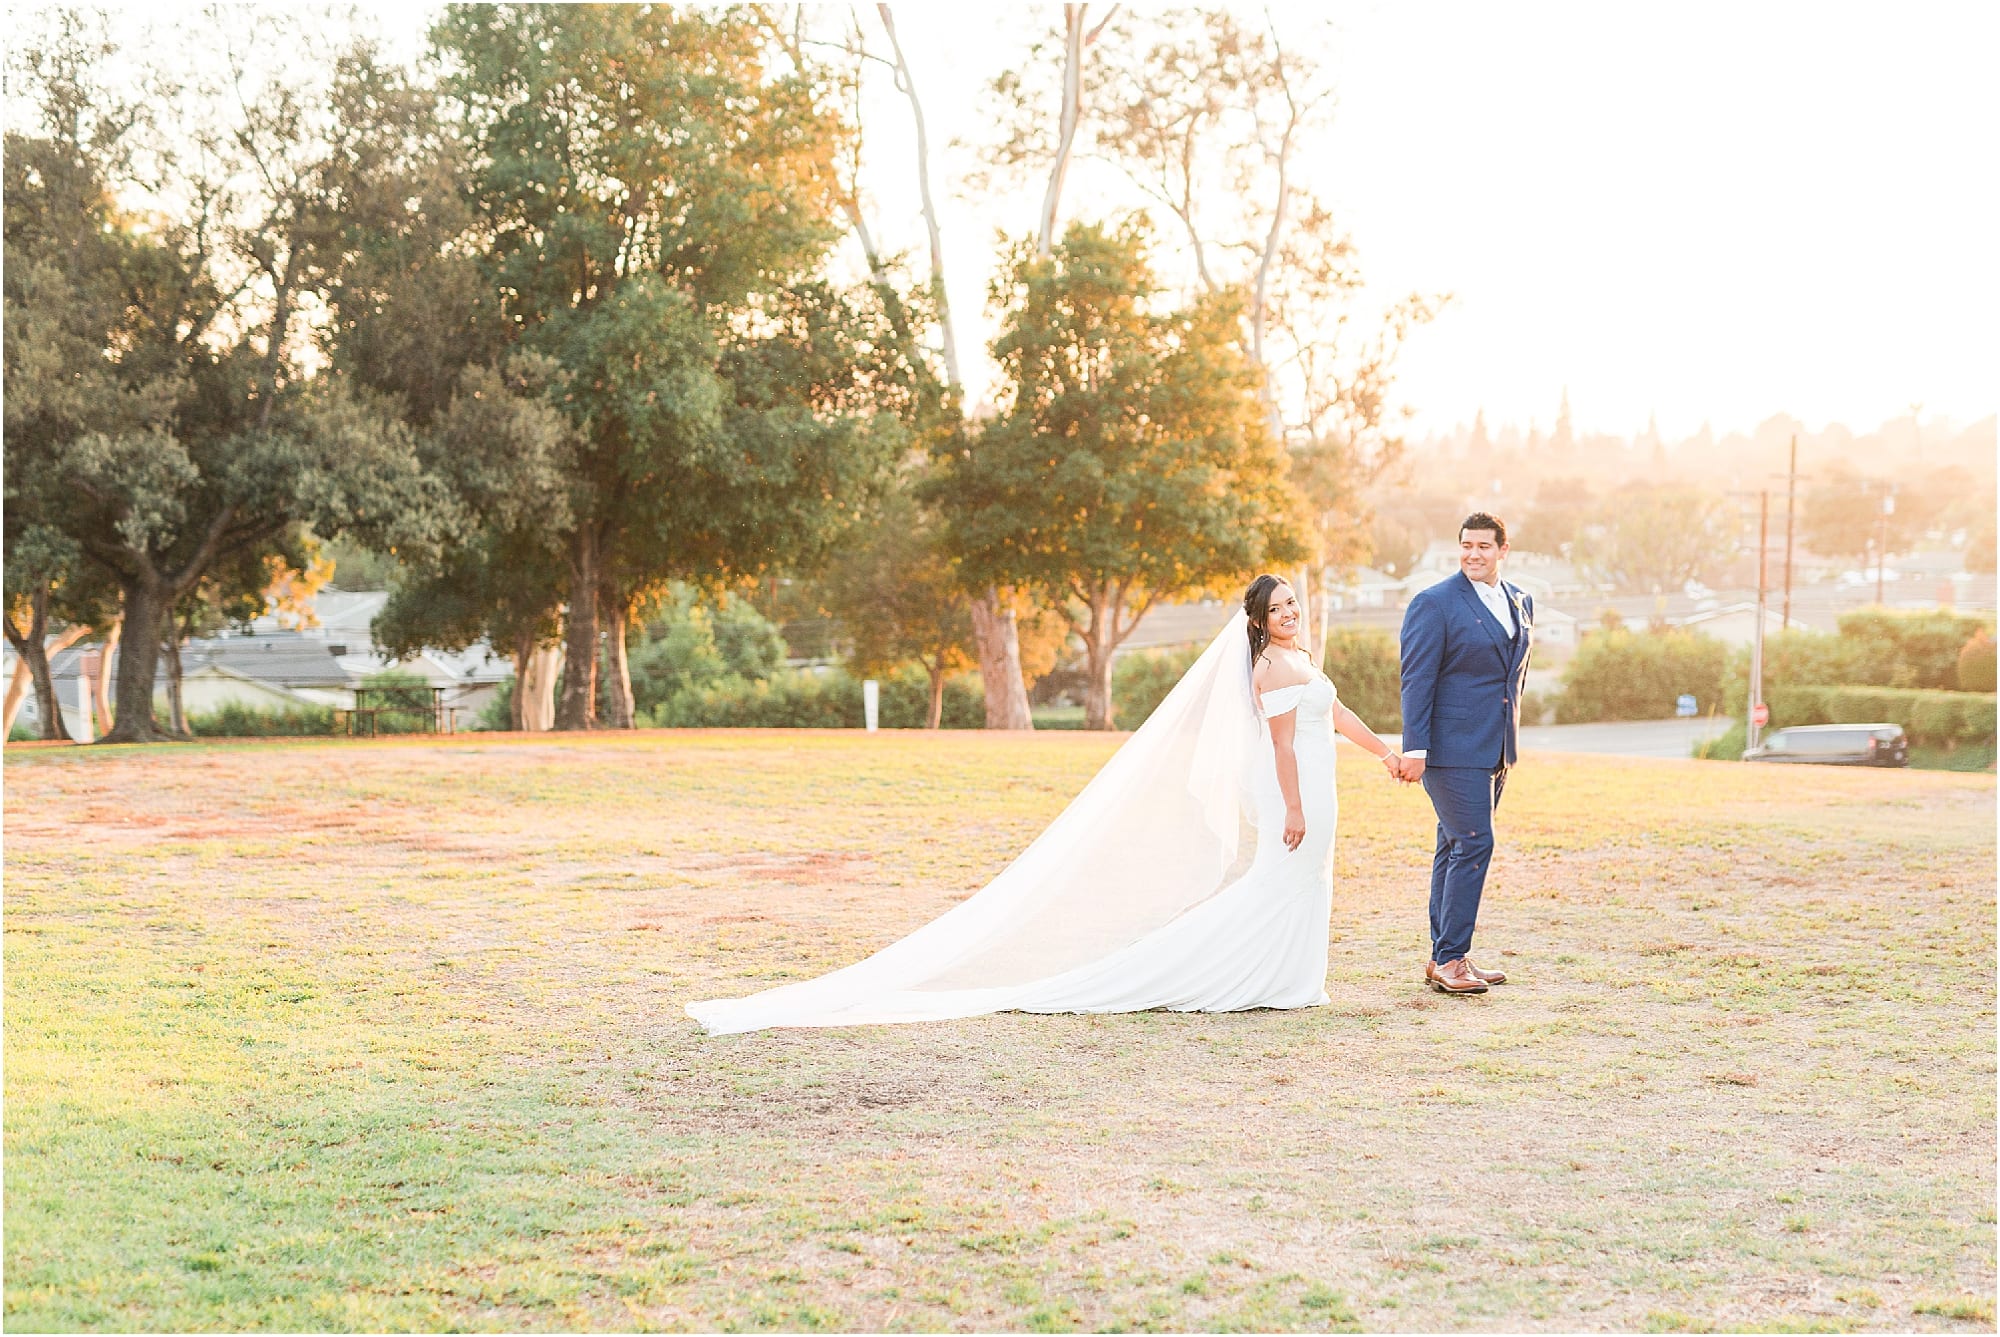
{"type": "Point", "coordinates": [1497, 603]}
{"type": "Point", "coordinates": [1494, 596]}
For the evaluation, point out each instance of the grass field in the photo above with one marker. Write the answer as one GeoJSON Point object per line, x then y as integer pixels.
{"type": "Point", "coordinates": [389, 1034]}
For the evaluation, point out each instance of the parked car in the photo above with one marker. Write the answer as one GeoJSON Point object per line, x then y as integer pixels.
{"type": "Point", "coordinates": [1836, 745]}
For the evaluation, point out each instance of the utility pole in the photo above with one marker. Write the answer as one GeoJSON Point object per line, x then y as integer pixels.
{"type": "Point", "coordinates": [1791, 507]}
{"type": "Point", "coordinates": [1882, 540]}
{"type": "Point", "coordinates": [1756, 723]}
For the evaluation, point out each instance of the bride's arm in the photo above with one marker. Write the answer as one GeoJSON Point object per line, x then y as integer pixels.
{"type": "Point", "coordinates": [1284, 736]}
{"type": "Point", "coordinates": [1284, 733]}
{"type": "Point", "coordinates": [1352, 728]}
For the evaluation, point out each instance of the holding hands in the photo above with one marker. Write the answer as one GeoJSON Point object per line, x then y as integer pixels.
{"type": "Point", "coordinates": [1408, 770]}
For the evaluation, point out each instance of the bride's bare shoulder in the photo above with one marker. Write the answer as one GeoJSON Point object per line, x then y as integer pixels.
{"type": "Point", "coordinates": [1273, 671]}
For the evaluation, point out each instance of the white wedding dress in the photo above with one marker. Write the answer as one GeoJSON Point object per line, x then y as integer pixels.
{"type": "Point", "coordinates": [1164, 884]}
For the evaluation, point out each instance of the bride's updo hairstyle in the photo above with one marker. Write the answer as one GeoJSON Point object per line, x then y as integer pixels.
{"type": "Point", "coordinates": [1257, 607]}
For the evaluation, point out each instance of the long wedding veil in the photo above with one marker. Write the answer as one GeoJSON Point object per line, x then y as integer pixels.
{"type": "Point", "coordinates": [1157, 831]}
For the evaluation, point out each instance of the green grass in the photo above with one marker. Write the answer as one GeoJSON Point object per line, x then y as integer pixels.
{"type": "Point", "coordinates": [388, 1035]}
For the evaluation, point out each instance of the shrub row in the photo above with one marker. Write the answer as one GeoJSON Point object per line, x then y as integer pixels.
{"type": "Point", "coordinates": [830, 700]}
{"type": "Point", "coordinates": [233, 720]}
{"type": "Point", "coordinates": [1930, 718]}
{"type": "Point", "coordinates": [1639, 675]}
{"type": "Point", "coordinates": [1364, 665]}
{"type": "Point", "coordinates": [1367, 670]}
{"type": "Point", "coordinates": [1142, 679]}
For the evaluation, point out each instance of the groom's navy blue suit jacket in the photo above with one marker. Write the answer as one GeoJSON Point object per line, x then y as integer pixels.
{"type": "Point", "coordinates": [1463, 675]}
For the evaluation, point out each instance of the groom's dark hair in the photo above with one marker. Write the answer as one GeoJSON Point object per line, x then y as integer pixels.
{"type": "Point", "coordinates": [1481, 520]}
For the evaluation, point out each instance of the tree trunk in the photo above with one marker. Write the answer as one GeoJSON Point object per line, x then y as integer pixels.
{"type": "Point", "coordinates": [908, 83]}
{"type": "Point", "coordinates": [579, 689]}
{"type": "Point", "coordinates": [176, 704]}
{"type": "Point", "coordinates": [1303, 587]}
{"type": "Point", "coordinates": [1097, 704]}
{"type": "Point", "coordinates": [100, 684]}
{"type": "Point", "coordinates": [536, 690]}
{"type": "Point", "coordinates": [1100, 638]}
{"type": "Point", "coordinates": [524, 653]}
{"type": "Point", "coordinates": [934, 717]}
{"type": "Point", "coordinates": [17, 692]}
{"type": "Point", "coordinates": [1072, 95]}
{"type": "Point", "coordinates": [148, 605]}
{"type": "Point", "coordinates": [35, 653]}
{"type": "Point", "coordinates": [617, 669]}
{"type": "Point", "coordinates": [999, 641]}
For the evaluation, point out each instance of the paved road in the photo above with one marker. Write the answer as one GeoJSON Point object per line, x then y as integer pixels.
{"type": "Point", "coordinates": [1637, 738]}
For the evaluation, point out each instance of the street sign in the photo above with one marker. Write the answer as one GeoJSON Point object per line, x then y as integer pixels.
{"type": "Point", "coordinates": [1760, 714]}
{"type": "Point", "coordinates": [1685, 705]}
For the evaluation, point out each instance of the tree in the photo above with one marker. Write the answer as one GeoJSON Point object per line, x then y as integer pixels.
{"type": "Point", "coordinates": [1207, 118]}
{"type": "Point", "coordinates": [1843, 516]}
{"type": "Point", "coordinates": [1557, 515]}
{"type": "Point", "coordinates": [897, 599]}
{"type": "Point", "coordinates": [1131, 459]}
{"type": "Point", "coordinates": [653, 208]}
{"type": "Point", "coordinates": [1653, 539]}
{"type": "Point", "coordinates": [163, 418]}
{"type": "Point", "coordinates": [997, 614]}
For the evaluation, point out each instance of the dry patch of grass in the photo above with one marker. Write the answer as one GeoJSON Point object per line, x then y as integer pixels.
{"type": "Point", "coordinates": [389, 1035]}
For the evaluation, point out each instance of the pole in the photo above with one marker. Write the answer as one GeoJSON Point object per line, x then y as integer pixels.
{"type": "Point", "coordinates": [1882, 546]}
{"type": "Point", "coordinates": [1791, 504]}
{"type": "Point", "coordinates": [1756, 730]}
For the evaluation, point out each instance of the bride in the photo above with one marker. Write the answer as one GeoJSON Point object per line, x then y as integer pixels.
{"type": "Point", "coordinates": [1194, 872]}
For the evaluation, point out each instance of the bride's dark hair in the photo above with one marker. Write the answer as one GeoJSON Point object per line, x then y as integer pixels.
{"type": "Point", "coordinates": [1257, 607]}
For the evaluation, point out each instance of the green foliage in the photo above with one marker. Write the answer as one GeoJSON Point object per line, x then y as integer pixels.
{"type": "Point", "coordinates": [1367, 669]}
{"type": "Point", "coordinates": [826, 700]}
{"type": "Point", "coordinates": [1131, 459]}
{"type": "Point", "coordinates": [1628, 675]}
{"type": "Point", "coordinates": [1977, 669]}
{"type": "Point", "coordinates": [1930, 718]}
{"type": "Point", "coordinates": [1728, 746]}
{"type": "Point", "coordinates": [498, 712]}
{"type": "Point", "coordinates": [154, 411]}
{"type": "Point", "coordinates": [1142, 679]}
{"type": "Point", "coordinates": [1909, 649]}
{"type": "Point", "coordinates": [894, 594]}
{"type": "Point", "coordinates": [691, 643]}
{"type": "Point", "coordinates": [234, 720]}
{"type": "Point", "coordinates": [652, 212]}
{"type": "Point", "coordinates": [401, 700]}
{"type": "Point", "coordinates": [1874, 648]}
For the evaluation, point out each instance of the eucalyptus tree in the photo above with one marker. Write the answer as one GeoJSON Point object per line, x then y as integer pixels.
{"type": "Point", "coordinates": [1206, 119]}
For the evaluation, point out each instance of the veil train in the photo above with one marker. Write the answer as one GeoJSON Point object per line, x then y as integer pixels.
{"type": "Point", "coordinates": [1155, 833]}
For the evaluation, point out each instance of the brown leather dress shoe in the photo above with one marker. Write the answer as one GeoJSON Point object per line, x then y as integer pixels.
{"type": "Point", "coordinates": [1490, 976]}
{"type": "Point", "coordinates": [1430, 971]}
{"type": "Point", "coordinates": [1457, 977]}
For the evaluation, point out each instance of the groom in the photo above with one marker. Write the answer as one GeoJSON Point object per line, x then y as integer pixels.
{"type": "Point", "coordinates": [1465, 659]}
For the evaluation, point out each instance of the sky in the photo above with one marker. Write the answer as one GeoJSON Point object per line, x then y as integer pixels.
{"type": "Point", "coordinates": [1700, 212]}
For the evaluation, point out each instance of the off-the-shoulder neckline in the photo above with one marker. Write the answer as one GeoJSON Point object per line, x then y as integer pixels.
{"type": "Point", "coordinates": [1290, 686]}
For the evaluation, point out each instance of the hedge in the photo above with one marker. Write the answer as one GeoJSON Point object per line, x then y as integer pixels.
{"type": "Point", "coordinates": [1367, 669]}
{"type": "Point", "coordinates": [1906, 649]}
{"type": "Point", "coordinates": [1930, 718]}
{"type": "Point", "coordinates": [233, 720]}
{"type": "Point", "coordinates": [1640, 675]}
{"type": "Point", "coordinates": [830, 700]}
{"type": "Point", "coordinates": [1976, 665]}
